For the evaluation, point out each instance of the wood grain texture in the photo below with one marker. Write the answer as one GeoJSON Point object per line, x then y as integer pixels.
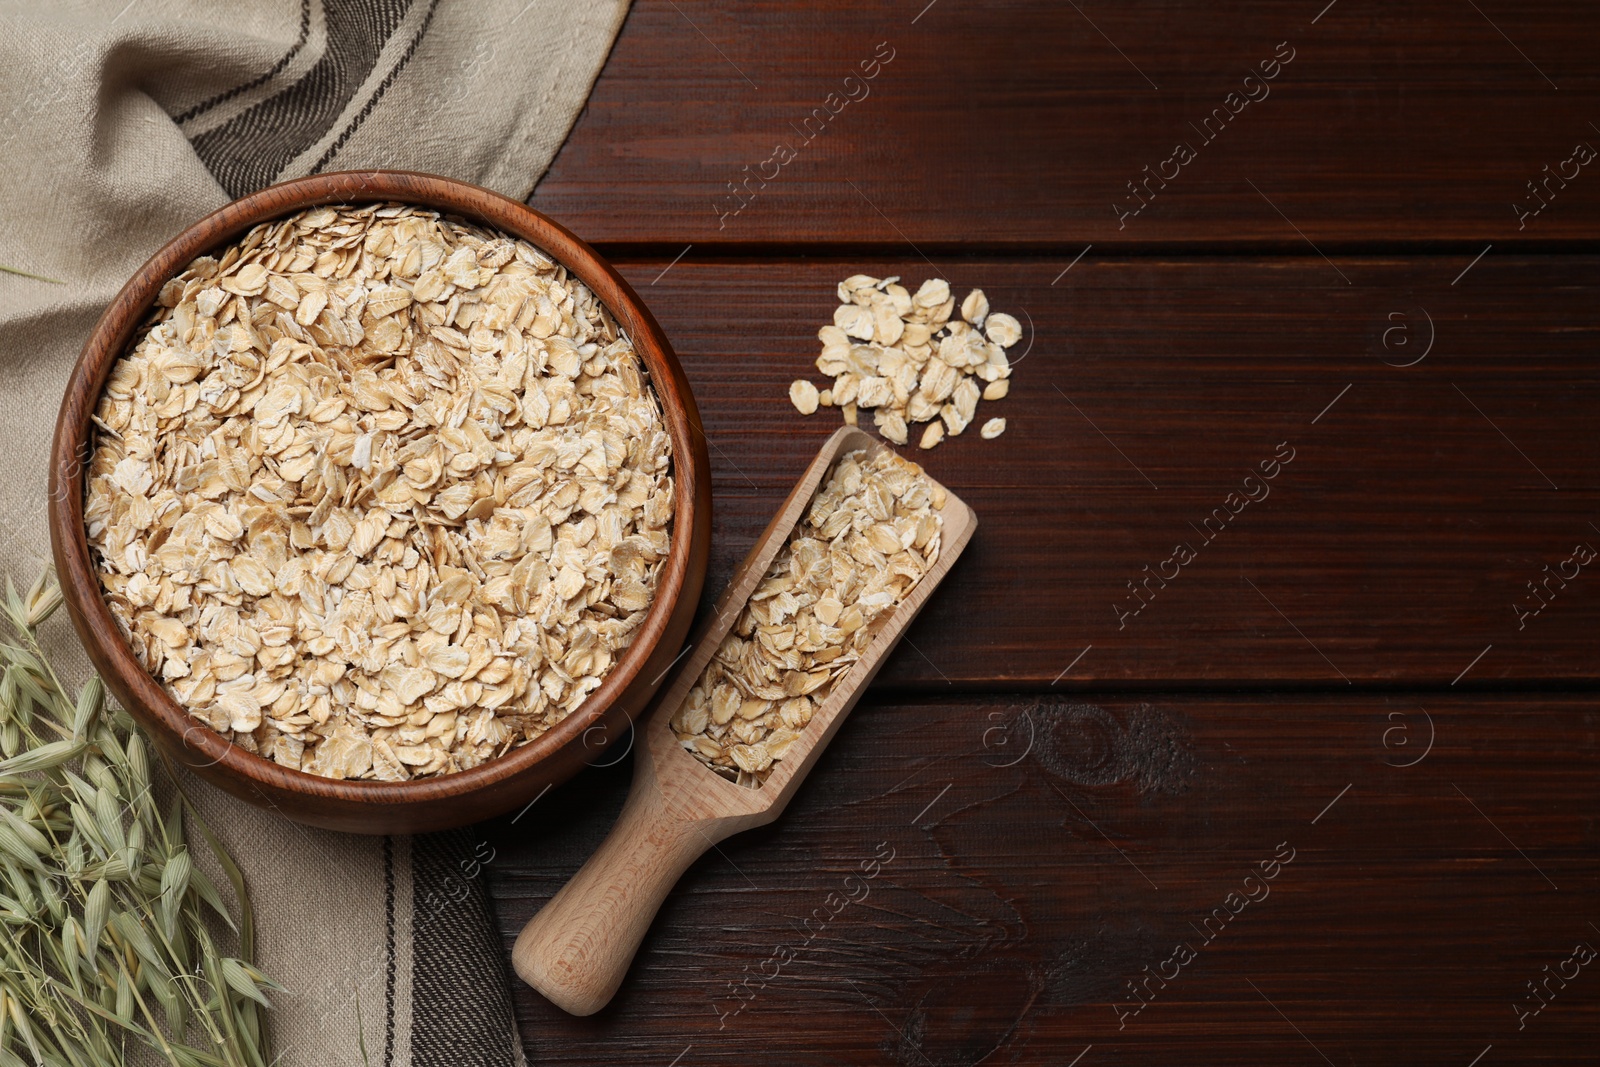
{"type": "Point", "coordinates": [1308, 279]}
{"type": "Point", "coordinates": [369, 806]}
{"type": "Point", "coordinates": [577, 949]}
{"type": "Point", "coordinates": [1022, 124]}
{"type": "Point", "coordinates": [1040, 857]}
{"type": "Point", "coordinates": [1394, 548]}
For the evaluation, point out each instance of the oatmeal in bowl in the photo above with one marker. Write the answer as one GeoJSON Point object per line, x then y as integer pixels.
{"type": "Point", "coordinates": [378, 493]}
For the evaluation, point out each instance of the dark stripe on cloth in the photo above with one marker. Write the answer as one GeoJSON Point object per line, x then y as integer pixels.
{"type": "Point", "coordinates": [383, 87]}
{"type": "Point", "coordinates": [251, 149]}
{"type": "Point", "coordinates": [460, 990]}
{"type": "Point", "coordinates": [388, 989]}
{"type": "Point", "coordinates": [277, 68]}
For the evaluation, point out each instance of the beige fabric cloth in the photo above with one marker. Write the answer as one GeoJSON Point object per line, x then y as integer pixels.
{"type": "Point", "coordinates": [123, 123]}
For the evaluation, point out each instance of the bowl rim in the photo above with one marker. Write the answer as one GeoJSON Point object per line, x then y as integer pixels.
{"type": "Point", "coordinates": [129, 311]}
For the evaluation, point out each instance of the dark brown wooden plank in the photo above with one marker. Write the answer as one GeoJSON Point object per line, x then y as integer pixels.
{"type": "Point", "coordinates": [1395, 547]}
{"type": "Point", "coordinates": [1444, 853]}
{"type": "Point", "coordinates": [1024, 123]}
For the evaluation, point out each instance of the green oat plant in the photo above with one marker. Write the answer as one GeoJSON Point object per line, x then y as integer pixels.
{"type": "Point", "coordinates": [109, 932]}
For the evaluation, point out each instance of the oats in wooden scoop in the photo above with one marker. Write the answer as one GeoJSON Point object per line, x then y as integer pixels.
{"type": "Point", "coordinates": [868, 536]}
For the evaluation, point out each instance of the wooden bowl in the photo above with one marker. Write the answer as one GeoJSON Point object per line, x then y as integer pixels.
{"type": "Point", "coordinates": [521, 775]}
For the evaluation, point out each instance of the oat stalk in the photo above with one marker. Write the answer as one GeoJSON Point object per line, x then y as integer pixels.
{"type": "Point", "coordinates": [108, 930]}
{"type": "Point", "coordinates": [26, 274]}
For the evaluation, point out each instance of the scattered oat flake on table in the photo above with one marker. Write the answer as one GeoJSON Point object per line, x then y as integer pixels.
{"type": "Point", "coordinates": [869, 535]}
{"type": "Point", "coordinates": [379, 494]}
{"type": "Point", "coordinates": [1003, 330]}
{"type": "Point", "coordinates": [803, 395]}
{"type": "Point", "coordinates": [992, 429]}
{"type": "Point", "coordinates": [904, 357]}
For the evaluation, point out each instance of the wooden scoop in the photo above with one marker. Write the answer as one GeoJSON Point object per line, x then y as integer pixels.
{"type": "Point", "coordinates": [578, 948]}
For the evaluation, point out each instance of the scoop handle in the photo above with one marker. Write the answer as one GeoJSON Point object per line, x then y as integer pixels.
{"type": "Point", "coordinates": [577, 949]}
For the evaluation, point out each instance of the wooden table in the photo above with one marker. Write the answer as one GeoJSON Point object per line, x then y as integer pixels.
{"type": "Point", "coordinates": [1326, 795]}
